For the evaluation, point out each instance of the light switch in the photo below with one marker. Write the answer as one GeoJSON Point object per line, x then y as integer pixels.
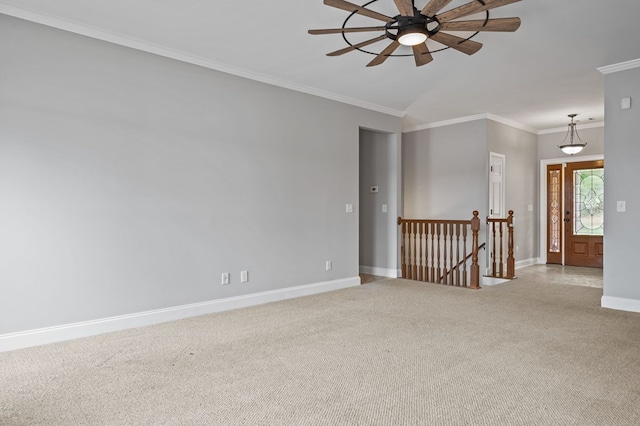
{"type": "Point", "coordinates": [621, 206]}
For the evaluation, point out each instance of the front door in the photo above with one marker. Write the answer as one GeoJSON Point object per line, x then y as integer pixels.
{"type": "Point", "coordinates": [555, 224]}
{"type": "Point", "coordinates": [584, 213]}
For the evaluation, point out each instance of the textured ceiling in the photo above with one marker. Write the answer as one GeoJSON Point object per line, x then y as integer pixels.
{"type": "Point", "coordinates": [535, 76]}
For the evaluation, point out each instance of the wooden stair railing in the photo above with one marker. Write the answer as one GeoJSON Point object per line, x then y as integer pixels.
{"type": "Point", "coordinates": [437, 251]}
{"type": "Point", "coordinates": [499, 267]}
{"type": "Point", "coordinates": [481, 246]}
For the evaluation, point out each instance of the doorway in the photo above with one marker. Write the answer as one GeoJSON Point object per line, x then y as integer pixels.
{"type": "Point", "coordinates": [575, 213]}
{"type": "Point", "coordinates": [496, 185]}
{"type": "Point", "coordinates": [379, 203]}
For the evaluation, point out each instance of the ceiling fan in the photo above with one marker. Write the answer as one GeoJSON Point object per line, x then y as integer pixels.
{"type": "Point", "coordinates": [413, 27]}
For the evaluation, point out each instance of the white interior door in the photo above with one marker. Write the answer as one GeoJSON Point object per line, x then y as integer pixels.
{"type": "Point", "coordinates": [496, 185]}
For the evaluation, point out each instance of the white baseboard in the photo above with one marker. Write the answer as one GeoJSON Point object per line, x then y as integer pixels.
{"type": "Point", "coordinates": [620, 303]}
{"type": "Point", "coordinates": [60, 333]}
{"type": "Point", "coordinates": [527, 262]}
{"type": "Point", "coordinates": [381, 272]}
{"type": "Point", "coordinates": [489, 281]}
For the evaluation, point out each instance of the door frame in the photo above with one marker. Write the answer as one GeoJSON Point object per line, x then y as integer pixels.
{"type": "Point", "coordinates": [543, 197]}
{"type": "Point", "coordinates": [394, 201]}
{"type": "Point", "coordinates": [503, 161]}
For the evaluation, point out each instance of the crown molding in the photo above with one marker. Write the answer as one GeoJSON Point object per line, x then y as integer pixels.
{"type": "Point", "coordinates": [475, 117]}
{"type": "Point", "coordinates": [443, 123]}
{"type": "Point", "coordinates": [622, 66]}
{"type": "Point", "coordinates": [512, 123]}
{"type": "Point", "coordinates": [143, 46]}
{"type": "Point", "coordinates": [564, 129]}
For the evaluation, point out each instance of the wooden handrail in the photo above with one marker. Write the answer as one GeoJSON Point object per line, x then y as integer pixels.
{"type": "Point", "coordinates": [430, 248]}
{"type": "Point", "coordinates": [481, 246]}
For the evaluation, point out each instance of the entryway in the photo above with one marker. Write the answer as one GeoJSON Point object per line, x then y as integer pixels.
{"type": "Point", "coordinates": [575, 213]}
{"type": "Point", "coordinates": [558, 274]}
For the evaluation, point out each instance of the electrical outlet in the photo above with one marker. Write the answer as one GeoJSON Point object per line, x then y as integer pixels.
{"type": "Point", "coordinates": [226, 279]}
{"type": "Point", "coordinates": [244, 276]}
{"type": "Point", "coordinates": [328, 265]}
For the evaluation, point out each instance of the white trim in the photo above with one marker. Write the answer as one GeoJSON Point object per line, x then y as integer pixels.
{"type": "Point", "coordinates": [622, 66]}
{"type": "Point", "coordinates": [60, 333]}
{"type": "Point", "coordinates": [564, 129]}
{"type": "Point", "coordinates": [503, 183]}
{"type": "Point", "coordinates": [543, 195]}
{"type": "Point", "coordinates": [446, 122]}
{"type": "Point", "coordinates": [512, 123]}
{"type": "Point", "coordinates": [381, 272]}
{"type": "Point", "coordinates": [187, 58]}
{"type": "Point", "coordinates": [620, 303]}
{"type": "Point", "coordinates": [527, 262]}
{"type": "Point", "coordinates": [468, 118]}
{"type": "Point", "coordinates": [490, 281]}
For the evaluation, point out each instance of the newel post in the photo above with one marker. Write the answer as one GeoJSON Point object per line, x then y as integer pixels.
{"type": "Point", "coordinates": [402, 255]}
{"type": "Point", "coordinates": [475, 268]}
{"type": "Point", "coordinates": [511, 261]}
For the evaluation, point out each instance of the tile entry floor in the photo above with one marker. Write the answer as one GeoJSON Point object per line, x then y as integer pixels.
{"type": "Point", "coordinates": [558, 274]}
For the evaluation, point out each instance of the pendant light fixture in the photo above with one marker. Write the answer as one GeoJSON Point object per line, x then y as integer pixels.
{"type": "Point", "coordinates": [572, 147]}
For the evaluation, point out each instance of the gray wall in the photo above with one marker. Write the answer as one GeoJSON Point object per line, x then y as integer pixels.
{"type": "Point", "coordinates": [130, 182]}
{"type": "Point", "coordinates": [378, 230]}
{"type": "Point", "coordinates": [548, 143]}
{"type": "Point", "coordinates": [622, 152]}
{"type": "Point", "coordinates": [521, 183]}
{"type": "Point", "coordinates": [444, 171]}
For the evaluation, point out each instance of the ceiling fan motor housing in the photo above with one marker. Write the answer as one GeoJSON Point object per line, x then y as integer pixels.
{"type": "Point", "coordinates": [417, 23]}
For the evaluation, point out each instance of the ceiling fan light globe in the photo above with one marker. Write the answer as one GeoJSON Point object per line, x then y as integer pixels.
{"type": "Point", "coordinates": [412, 38]}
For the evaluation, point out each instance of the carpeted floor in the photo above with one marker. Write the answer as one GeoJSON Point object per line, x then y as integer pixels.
{"type": "Point", "coordinates": [393, 352]}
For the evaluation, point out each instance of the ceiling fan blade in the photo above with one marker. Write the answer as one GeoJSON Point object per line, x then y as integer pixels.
{"type": "Point", "coordinates": [384, 54]}
{"type": "Point", "coordinates": [350, 7]}
{"type": "Point", "coordinates": [405, 7]}
{"type": "Point", "coordinates": [422, 54]}
{"type": "Point", "coordinates": [500, 24]}
{"type": "Point", "coordinates": [346, 30]}
{"type": "Point", "coordinates": [471, 8]}
{"type": "Point", "coordinates": [357, 46]}
{"type": "Point", "coordinates": [434, 6]}
{"type": "Point", "coordinates": [460, 44]}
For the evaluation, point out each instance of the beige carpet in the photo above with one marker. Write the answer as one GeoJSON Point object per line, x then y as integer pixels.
{"type": "Point", "coordinates": [393, 352]}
